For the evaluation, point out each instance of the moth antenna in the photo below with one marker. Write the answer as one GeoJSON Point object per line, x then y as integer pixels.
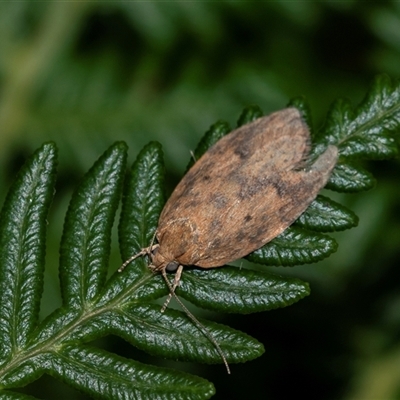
{"type": "Point", "coordinates": [130, 259]}
{"type": "Point", "coordinates": [193, 156]}
{"type": "Point", "coordinates": [142, 252]}
{"type": "Point", "coordinates": [152, 240]}
{"type": "Point", "coordinates": [202, 328]}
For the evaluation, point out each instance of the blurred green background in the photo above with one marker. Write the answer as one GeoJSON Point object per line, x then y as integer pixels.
{"type": "Point", "coordinates": [86, 74]}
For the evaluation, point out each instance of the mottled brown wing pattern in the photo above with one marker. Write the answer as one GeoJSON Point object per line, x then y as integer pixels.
{"type": "Point", "coordinates": [244, 191]}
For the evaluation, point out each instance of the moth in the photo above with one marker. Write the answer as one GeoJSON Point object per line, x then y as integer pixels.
{"type": "Point", "coordinates": [242, 193]}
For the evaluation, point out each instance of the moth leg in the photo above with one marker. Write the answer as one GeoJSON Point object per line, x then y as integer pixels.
{"type": "Point", "coordinates": [173, 286]}
{"type": "Point", "coordinates": [192, 317]}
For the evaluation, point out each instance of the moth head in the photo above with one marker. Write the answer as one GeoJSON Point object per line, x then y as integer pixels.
{"type": "Point", "coordinates": [160, 262]}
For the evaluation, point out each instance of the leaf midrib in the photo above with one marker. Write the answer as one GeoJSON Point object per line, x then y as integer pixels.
{"type": "Point", "coordinates": [50, 344]}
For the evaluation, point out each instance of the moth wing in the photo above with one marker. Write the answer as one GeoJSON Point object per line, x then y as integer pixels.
{"type": "Point", "coordinates": [253, 223]}
{"type": "Point", "coordinates": [245, 190]}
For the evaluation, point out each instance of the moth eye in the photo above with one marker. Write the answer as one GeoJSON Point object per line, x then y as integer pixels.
{"type": "Point", "coordinates": [154, 250]}
{"type": "Point", "coordinates": [172, 266]}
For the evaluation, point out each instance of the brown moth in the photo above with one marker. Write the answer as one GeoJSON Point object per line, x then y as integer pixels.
{"type": "Point", "coordinates": [242, 193]}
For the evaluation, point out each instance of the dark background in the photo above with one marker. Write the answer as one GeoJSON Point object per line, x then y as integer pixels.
{"type": "Point", "coordinates": [86, 74]}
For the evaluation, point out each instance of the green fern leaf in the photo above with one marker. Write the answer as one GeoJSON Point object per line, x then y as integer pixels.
{"type": "Point", "coordinates": [249, 114]}
{"type": "Point", "coordinates": [349, 178]}
{"type": "Point", "coordinates": [325, 215]}
{"type": "Point", "coordinates": [22, 241]}
{"type": "Point", "coordinates": [95, 372]}
{"type": "Point", "coordinates": [173, 335]}
{"type": "Point", "coordinates": [91, 308]}
{"type": "Point", "coordinates": [236, 290]}
{"type": "Point", "coordinates": [85, 245]}
{"type": "Point", "coordinates": [94, 307]}
{"type": "Point", "coordinates": [294, 246]}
